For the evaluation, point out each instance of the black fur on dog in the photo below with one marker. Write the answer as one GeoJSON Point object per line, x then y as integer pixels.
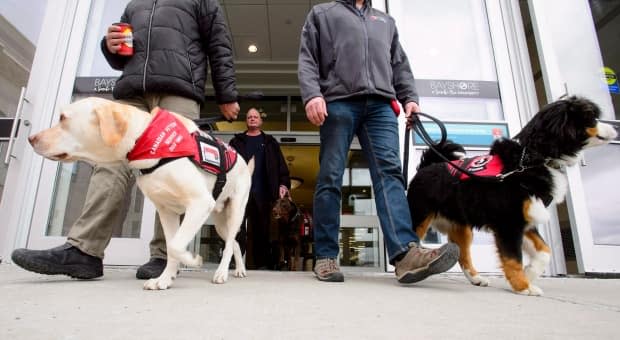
{"type": "Point", "coordinates": [512, 208]}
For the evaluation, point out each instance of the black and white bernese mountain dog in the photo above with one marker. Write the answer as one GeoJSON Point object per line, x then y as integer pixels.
{"type": "Point", "coordinates": [514, 202]}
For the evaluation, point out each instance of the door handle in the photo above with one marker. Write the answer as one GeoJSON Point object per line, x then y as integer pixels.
{"type": "Point", "coordinates": [18, 113]}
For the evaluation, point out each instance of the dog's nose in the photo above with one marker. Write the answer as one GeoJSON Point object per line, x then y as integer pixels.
{"type": "Point", "coordinates": [33, 139]}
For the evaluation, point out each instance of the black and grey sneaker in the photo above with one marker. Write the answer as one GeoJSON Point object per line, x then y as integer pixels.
{"type": "Point", "coordinates": [151, 269]}
{"type": "Point", "coordinates": [327, 269]}
{"type": "Point", "coordinates": [62, 260]}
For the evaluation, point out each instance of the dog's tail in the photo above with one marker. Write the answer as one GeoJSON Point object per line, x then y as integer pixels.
{"type": "Point", "coordinates": [450, 150]}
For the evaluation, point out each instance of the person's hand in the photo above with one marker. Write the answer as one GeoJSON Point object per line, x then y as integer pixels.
{"type": "Point", "coordinates": [283, 191]}
{"type": "Point", "coordinates": [230, 110]}
{"type": "Point", "coordinates": [410, 109]}
{"type": "Point", "coordinates": [316, 111]}
{"type": "Point", "coordinates": [114, 38]}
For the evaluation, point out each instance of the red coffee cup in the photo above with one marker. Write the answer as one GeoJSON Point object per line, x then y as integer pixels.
{"type": "Point", "coordinates": [127, 45]}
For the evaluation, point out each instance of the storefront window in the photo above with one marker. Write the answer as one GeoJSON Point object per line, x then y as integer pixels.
{"type": "Point", "coordinates": [73, 179]}
{"type": "Point", "coordinates": [92, 61]}
{"type": "Point", "coordinates": [299, 122]}
{"type": "Point", "coordinates": [607, 23]}
{"type": "Point", "coordinates": [451, 54]}
{"type": "Point", "coordinates": [273, 110]}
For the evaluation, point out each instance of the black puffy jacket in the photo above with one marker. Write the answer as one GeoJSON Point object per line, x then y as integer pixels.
{"type": "Point", "coordinates": [174, 41]}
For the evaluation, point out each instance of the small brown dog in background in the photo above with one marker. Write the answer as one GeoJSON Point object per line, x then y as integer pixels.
{"type": "Point", "coordinates": [287, 221]}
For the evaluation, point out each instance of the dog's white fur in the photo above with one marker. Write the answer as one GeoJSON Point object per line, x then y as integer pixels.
{"type": "Point", "coordinates": [101, 131]}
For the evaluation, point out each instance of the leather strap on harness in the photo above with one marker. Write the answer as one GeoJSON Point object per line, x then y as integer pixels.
{"type": "Point", "coordinates": [220, 181]}
{"type": "Point", "coordinates": [161, 162]}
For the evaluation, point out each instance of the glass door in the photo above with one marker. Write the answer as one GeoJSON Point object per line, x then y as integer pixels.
{"type": "Point", "coordinates": [361, 239]}
{"type": "Point", "coordinates": [594, 211]}
{"type": "Point", "coordinates": [459, 54]}
{"type": "Point", "coordinates": [62, 187]}
{"type": "Point", "coordinates": [38, 71]}
{"type": "Point", "coordinates": [591, 203]}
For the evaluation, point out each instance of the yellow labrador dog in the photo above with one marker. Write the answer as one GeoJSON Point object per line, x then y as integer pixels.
{"type": "Point", "coordinates": [100, 131]}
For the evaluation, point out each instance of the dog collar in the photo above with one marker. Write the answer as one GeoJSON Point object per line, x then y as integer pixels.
{"type": "Point", "coordinates": [165, 137]}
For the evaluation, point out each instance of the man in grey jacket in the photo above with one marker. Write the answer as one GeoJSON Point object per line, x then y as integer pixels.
{"type": "Point", "coordinates": [174, 42]}
{"type": "Point", "coordinates": [351, 67]}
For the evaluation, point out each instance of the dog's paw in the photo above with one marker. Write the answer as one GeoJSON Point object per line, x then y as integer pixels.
{"type": "Point", "coordinates": [476, 280]}
{"type": "Point", "coordinates": [532, 291]}
{"type": "Point", "coordinates": [537, 266]}
{"type": "Point", "coordinates": [195, 262]}
{"type": "Point", "coordinates": [159, 283]}
{"type": "Point", "coordinates": [220, 276]}
{"type": "Point", "coordinates": [479, 281]}
{"type": "Point", "coordinates": [240, 272]}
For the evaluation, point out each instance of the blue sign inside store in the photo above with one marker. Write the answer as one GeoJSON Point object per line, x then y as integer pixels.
{"type": "Point", "coordinates": [468, 134]}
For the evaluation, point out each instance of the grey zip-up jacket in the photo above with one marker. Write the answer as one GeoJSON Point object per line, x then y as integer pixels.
{"type": "Point", "coordinates": [347, 52]}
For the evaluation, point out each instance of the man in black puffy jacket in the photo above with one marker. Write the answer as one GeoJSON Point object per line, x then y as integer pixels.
{"type": "Point", "coordinates": [174, 42]}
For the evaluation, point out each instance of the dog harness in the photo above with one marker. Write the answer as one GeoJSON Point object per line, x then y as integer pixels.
{"type": "Point", "coordinates": [489, 166]}
{"type": "Point", "coordinates": [167, 139]}
{"type": "Point", "coordinates": [485, 166]}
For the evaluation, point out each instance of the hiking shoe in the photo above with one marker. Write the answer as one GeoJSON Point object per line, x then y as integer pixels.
{"type": "Point", "coordinates": [419, 262]}
{"type": "Point", "coordinates": [64, 260]}
{"type": "Point", "coordinates": [327, 269]}
{"type": "Point", "coordinates": [151, 269]}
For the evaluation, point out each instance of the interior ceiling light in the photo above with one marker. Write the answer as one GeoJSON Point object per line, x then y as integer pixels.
{"type": "Point", "coordinates": [252, 48]}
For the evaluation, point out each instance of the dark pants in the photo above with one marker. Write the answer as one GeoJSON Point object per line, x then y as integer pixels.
{"type": "Point", "coordinates": [257, 245]}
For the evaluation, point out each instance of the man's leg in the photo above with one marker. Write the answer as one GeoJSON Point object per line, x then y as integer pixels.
{"type": "Point", "coordinates": [378, 135]}
{"type": "Point", "coordinates": [81, 257]}
{"type": "Point", "coordinates": [107, 191]}
{"type": "Point", "coordinates": [190, 109]}
{"type": "Point", "coordinates": [260, 223]}
{"type": "Point", "coordinates": [336, 136]}
{"type": "Point", "coordinates": [255, 252]}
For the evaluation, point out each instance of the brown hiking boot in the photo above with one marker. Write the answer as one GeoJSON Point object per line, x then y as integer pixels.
{"type": "Point", "coordinates": [327, 269]}
{"type": "Point", "coordinates": [419, 262]}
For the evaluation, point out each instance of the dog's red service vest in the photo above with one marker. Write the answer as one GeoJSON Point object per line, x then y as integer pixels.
{"type": "Point", "coordinates": [167, 137]}
{"type": "Point", "coordinates": [485, 165]}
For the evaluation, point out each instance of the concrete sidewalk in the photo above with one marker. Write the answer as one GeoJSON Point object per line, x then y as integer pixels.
{"type": "Point", "coordinates": [289, 305]}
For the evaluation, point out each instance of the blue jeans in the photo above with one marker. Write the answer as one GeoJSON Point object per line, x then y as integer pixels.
{"type": "Point", "coordinates": [373, 121]}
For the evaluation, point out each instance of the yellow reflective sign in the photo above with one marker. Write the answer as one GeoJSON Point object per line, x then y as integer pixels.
{"type": "Point", "coordinates": [610, 76]}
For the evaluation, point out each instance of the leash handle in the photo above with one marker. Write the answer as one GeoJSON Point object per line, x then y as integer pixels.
{"type": "Point", "coordinates": [417, 127]}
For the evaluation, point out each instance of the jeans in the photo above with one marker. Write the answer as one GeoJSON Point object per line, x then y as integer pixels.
{"type": "Point", "coordinates": [373, 121]}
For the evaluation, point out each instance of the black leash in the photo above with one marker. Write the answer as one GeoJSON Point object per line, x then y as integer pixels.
{"type": "Point", "coordinates": [417, 127]}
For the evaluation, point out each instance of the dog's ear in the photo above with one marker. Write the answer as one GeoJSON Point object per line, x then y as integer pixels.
{"type": "Point", "coordinates": [112, 123]}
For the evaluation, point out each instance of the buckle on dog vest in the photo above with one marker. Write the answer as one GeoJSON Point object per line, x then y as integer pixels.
{"type": "Point", "coordinates": [215, 157]}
